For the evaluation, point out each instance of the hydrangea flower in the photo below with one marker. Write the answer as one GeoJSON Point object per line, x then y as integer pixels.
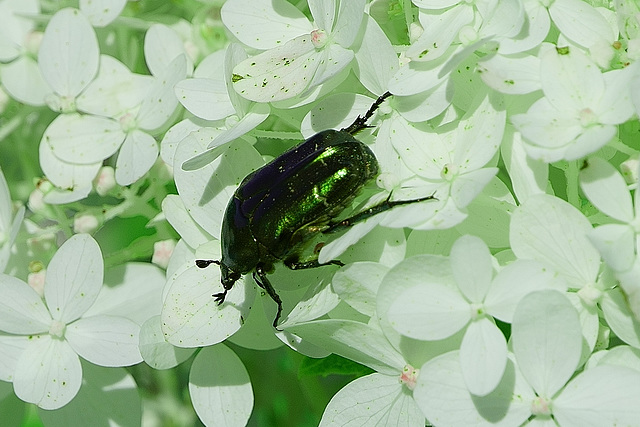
{"type": "Point", "coordinates": [306, 55]}
{"type": "Point", "coordinates": [579, 110]}
{"type": "Point", "coordinates": [539, 385]}
{"type": "Point", "coordinates": [48, 372]}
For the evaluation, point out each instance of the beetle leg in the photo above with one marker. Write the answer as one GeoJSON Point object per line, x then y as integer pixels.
{"type": "Point", "coordinates": [260, 276]}
{"type": "Point", "coordinates": [204, 263]}
{"type": "Point", "coordinates": [374, 210]}
{"type": "Point", "coordinates": [361, 121]}
{"type": "Point", "coordinates": [295, 264]}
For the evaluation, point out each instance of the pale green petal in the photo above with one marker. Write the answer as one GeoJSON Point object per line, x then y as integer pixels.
{"type": "Point", "coordinates": [220, 388]}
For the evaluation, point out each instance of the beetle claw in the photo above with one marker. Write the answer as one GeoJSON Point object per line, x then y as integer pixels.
{"type": "Point", "coordinates": [219, 297]}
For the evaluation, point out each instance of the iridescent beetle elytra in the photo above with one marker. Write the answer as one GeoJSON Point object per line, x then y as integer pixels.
{"type": "Point", "coordinates": [280, 207]}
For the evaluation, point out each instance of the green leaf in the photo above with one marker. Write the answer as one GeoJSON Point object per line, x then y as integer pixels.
{"type": "Point", "coordinates": [331, 365]}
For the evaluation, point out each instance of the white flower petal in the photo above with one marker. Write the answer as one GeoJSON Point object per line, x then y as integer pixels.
{"type": "Point", "coordinates": [337, 247]}
{"type": "Point", "coordinates": [16, 25]}
{"type": "Point", "coordinates": [374, 399]}
{"type": "Point", "coordinates": [114, 91]}
{"type": "Point", "coordinates": [74, 177]}
{"type": "Point", "coordinates": [616, 244]}
{"type": "Point", "coordinates": [172, 138]}
{"type": "Point", "coordinates": [528, 176]}
{"type": "Point", "coordinates": [425, 105]}
{"type": "Point", "coordinates": [349, 21]}
{"type": "Point", "coordinates": [220, 387]}
{"type": "Point", "coordinates": [334, 112]}
{"type": "Point", "coordinates": [443, 396]}
{"type": "Point", "coordinates": [580, 22]}
{"type": "Point", "coordinates": [357, 285]}
{"type": "Point", "coordinates": [74, 278]}
{"type": "Point", "coordinates": [257, 114]}
{"type": "Point", "coordinates": [592, 139]}
{"type": "Point", "coordinates": [487, 214]}
{"type": "Point", "coordinates": [466, 187]}
{"type": "Point", "coordinates": [162, 46]}
{"type": "Point", "coordinates": [483, 356]}
{"type": "Point", "coordinates": [434, 4]}
{"type": "Point", "coordinates": [58, 196]}
{"type": "Point", "coordinates": [207, 191]}
{"type": "Point", "coordinates": [69, 53]}
{"type": "Point", "coordinates": [606, 189]}
{"type": "Point", "coordinates": [48, 374]}
{"type": "Point", "coordinates": [546, 126]}
{"type": "Point", "coordinates": [503, 20]}
{"type": "Point", "coordinates": [136, 157]}
{"type": "Point", "coordinates": [472, 267]}
{"type": "Point", "coordinates": [362, 343]}
{"type": "Point", "coordinates": [377, 60]}
{"type": "Point", "coordinates": [620, 318]}
{"type": "Point", "coordinates": [604, 395]}
{"type": "Point", "coordinates": [429, 215]}
{"type": "Point", "coordinates": [105, 340]}
{"type": "Point", "coordinates": [23, 80]}
{"type": "Point", "coordinates": [157, 352]}
{"type": "Point", "coordinates": [22, 311]}
{"type": "Point", "coordinates": [177, 215]}
{"type": "Point", "coordinates": [192, 318]}
{"type": "Point", "coordinates": [553, 232]}
{"type": "Point", "coordinates": [441, 28]}
{"type": "Point", "coordinates": [83, 139]}
{"type": "Point", "coordinates": [102, 12]}
{"type": "Point", "coordinates": [318, 300]}
{"type": "Point", "coordinates": [429, 311]}
{"type": "Point", "coordinates": [423, 152]}
{"type": "Point", "coordinates": [11, 349]}
{"type": "Point", "coordinates": [416, 77]}
{"type": "Point", "coordinates": [132, 290]}
{"type": "Point", "coordinates": [616, 107]}
{"type": "Point", "coordinates": [547, 340]}
{"type": "Point", "coordinates": [108, 394]}
{"type": "Point", "coordinates": [511, 75]}
{"type": "Point", "coordinates": [621, 355]}
{"type": "Point", "coordinates": [264, 24]}
{"type": "Point", "coordinates": [479, 133]}
{"type": "Point", "coordinates": [331, 61]}
{"type": "Point", "coordinates": [533, 33]}
{"type": "Point", "coordinates": [570, 81]}
{"type": "Point", "coordinates": [205, 98]}
{"type": "Point", "coordinates": [161, 100]}
{"type": "Point", "coordinates": [323, 13]}
{"type": "Point", "coordinates": [513, 282]}
{"type": "Point", "coordinates": [279, 73]}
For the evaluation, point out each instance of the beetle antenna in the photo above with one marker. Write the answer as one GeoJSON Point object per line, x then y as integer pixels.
{"type": "Point", "coordinates": [361, 121]}
{"type": "Point", "coordinates": [204, 263]}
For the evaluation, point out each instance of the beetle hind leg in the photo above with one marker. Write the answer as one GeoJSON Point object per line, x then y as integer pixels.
{"type": "Point", "coordinates": [260, 276]}
{"type": "Point", "coordinates": [361, 121]}
{"type": "Point", "coordinates": [374, 210]}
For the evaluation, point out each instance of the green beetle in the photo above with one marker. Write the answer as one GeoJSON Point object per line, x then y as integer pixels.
{"type": "Point", "coordinates": [280, 207]}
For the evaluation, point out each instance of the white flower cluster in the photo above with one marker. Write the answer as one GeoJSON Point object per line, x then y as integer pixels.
{"type": "Point", "coordinates": [512, 298]}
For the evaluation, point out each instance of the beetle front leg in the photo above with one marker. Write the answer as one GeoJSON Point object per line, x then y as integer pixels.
{"type": "Point", "coordinates": [374, 210]}
{"type": "Point", "coordinates": [260, 276]}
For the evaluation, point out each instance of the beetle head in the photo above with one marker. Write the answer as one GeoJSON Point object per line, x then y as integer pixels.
{"type": "Point", "coordinates": [229, 277]}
